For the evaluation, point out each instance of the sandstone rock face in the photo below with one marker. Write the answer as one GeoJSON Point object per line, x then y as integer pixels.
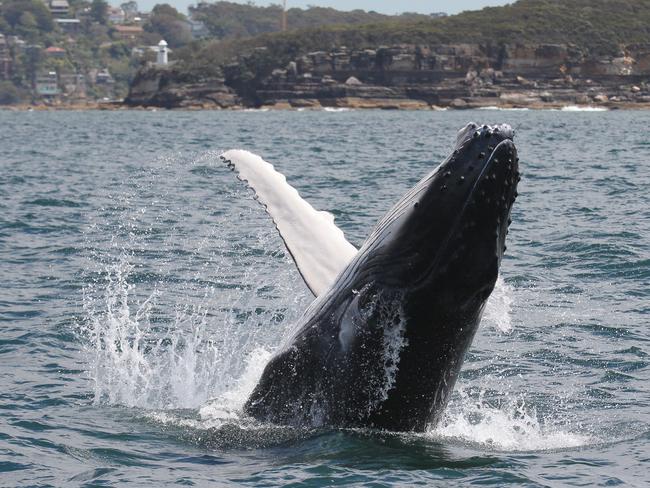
{"type": "Point", "coordinates": [408, 76]}
{"type": "Point", "coordinates": [462, 76]}
{"type": "Point", "coordinates": [155, 87]}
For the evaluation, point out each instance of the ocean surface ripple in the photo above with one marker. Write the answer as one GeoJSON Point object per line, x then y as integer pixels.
{"type": "Point", "coordinates": [143, 291]}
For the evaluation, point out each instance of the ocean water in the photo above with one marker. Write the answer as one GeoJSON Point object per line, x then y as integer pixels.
{"type": "Point", "coordinates": [143, 290]}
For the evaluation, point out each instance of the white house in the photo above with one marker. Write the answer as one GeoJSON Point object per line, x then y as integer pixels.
{"type": "Point", "coordinates": [116, 15]}
{"type": "Point", "coordinates": [60, 8]}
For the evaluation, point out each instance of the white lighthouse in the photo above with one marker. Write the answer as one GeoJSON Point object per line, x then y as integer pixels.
{"type": "Point", "coordinates": [162, 53]}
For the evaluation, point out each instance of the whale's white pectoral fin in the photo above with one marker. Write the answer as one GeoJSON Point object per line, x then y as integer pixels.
{"type": "Point", "coordinates": [317, 245]}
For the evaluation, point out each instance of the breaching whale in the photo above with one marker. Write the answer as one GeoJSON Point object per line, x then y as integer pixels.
{"type": "Point", "coordinates": [382, 344]}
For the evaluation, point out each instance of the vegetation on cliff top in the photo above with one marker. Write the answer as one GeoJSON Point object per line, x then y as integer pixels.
{"type": "Point", "coordinates": [87, 39]}
{"type": "Point", "coordinates": [598, 27]}
{"type": "Point", "coordinates": [229, 19]}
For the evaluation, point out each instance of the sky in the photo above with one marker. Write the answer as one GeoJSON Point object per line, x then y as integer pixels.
{"type": "Point", "coordinates": [383, 6]}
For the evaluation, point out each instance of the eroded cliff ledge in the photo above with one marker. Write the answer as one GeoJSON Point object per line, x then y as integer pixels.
{"type": "Point", "coordinates": [412, 77]}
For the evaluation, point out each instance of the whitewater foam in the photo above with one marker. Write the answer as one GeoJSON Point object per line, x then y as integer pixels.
{"type": "Point", "coordinates": [505, 109]}
{"type": "Point", "coordinates": [138, 363]}
{"type": "Point", "coordinates": [511, 426]}
{"type": "Point", "coordinates": [180, 330]}
{"type": "Point", "coordinates": [498, 311]}
{"type": "Point", "coordinates": [583, 108]}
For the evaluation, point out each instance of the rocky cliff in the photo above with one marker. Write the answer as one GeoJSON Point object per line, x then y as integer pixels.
{"type": "Point", "coordinates": [416, 76]}
{"type": "Point", "coordinates": [167, 88]}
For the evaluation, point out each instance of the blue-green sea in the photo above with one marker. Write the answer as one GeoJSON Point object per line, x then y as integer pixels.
{"type": "Point", "coordinates": [142, 291]}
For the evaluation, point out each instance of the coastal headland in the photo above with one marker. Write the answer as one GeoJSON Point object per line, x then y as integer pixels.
{"type": "Point", "coordinates": [530, 54]}
{"type": "Point", "coordinates": [534, 54]}
{"type": "Point", "coordinates": [411, 77]}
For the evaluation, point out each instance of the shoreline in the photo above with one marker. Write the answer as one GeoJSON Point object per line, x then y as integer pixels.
{"type": "Point", "coordinates": [339, 106]}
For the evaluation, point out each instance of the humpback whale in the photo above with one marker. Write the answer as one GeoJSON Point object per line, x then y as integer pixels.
{"type": "Point", "coordinates": [382, 344]}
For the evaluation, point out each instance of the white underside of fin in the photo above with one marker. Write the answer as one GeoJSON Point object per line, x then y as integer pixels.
{"type": "Point", "coordinates": [318, 247]}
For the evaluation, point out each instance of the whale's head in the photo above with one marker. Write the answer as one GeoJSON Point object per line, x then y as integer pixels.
{"type": "Point", "coordinates": [474, 189]}
{"type": "Point", "coordinates": [447, 235]}
{"type": "Point", "coordinates": [437, 255]}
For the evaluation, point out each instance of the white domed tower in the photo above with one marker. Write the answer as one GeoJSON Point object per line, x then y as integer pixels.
{"type": "Point", "coordinates": [162, 53]}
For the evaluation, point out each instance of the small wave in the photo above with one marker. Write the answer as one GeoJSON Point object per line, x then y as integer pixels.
{"type": "Point", "coordinates": [238, 433]}
{"type": "Point", "coordinates": [576, 108]}
{"type": "Point", "coordinates": [505, 109]}
{"type": "Point", "coordinates": [336, 109]}
{"type": "Point", "coordinates": [53, 202]}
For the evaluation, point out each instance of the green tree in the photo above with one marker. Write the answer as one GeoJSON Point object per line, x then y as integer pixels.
{"type": "Point", "coordinates": [32, 59]}
{"type": "Point", "coordinates": [170, 24]}
{"type": "Point", "coordinates": [130, 9]}
{"type": "Point", "coordinates": [229, 19]}
{"type": "Point", "coordinates": [4, 26]}
{"type": "Point", "coordinates": [119, 50]}
{"type": "Point", "coordinates": [166, 10]}
{"type": "Point", "coordinates": [27, 26]}
{"type": "Point", "coordinates": [99, 11]}
{"type": "Point", "coordinates": [8, 93]}
{"type": "Point", "coordinates": [13, 10]}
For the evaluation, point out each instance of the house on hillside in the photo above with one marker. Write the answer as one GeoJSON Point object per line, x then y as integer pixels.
{"type": "Point", "coordinates": [103, 77]}
{"type": "Point", "coordinates": [59, 8]}
{"type": "Point", "coordinates": [70, 26]}
{"type": "Point", "coordinates": [55, 52]}
{"type": "Point", "coordinates": [74, 85]}
{"type": "Point", "coordinates": [198, 29]}
{"type": "Point", "coordinates": [116, 15]}
{"type": "Point", "coordinates": [46, 84]}
{"type": "Point", "coordinates": [128, 32]}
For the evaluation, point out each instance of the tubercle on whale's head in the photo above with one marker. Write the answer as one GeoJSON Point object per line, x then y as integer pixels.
{"type": "Point", "coordinates": [448, 234]}
{"type": "Point", "coordinates": [486, 160]}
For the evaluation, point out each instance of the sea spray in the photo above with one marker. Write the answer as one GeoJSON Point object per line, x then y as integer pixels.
{"type": "Point", "coordinates": [511, 425]}
{"type": "Point", "coordinates": [168, 324]}
{"type": "Point", "coordinates": [498, 311]}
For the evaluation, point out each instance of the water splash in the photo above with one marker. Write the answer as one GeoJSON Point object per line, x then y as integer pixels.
{"type": "Point", "coordinates": [498, 312]}
{"type": "Point", "coordinates": [229, 404]}
{"type": "Point", "coordinates": [139, 357]}
{"type": "Point", "coordinates": [583, 108]}
{"type": "Point", "coordinates": [511, 426]}
{"type": "Point", "coordinates": [168, 326]}
{"type": "Point", "coordinates": [394, 341]}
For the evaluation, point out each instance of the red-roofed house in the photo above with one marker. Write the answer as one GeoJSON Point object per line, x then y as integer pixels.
{"type": "Point", "coordinates": [127, 32]}
{"type": "Point", "coordinates": [55, 52]}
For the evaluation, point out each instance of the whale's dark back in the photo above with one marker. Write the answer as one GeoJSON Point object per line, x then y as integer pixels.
{"type": "Point", "coordinates": [384, 346]}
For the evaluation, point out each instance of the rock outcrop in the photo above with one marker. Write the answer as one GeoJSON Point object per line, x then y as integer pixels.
{"type": "Point", "coordinates": [415, 76]}
{"type": "Point", "coordinates": [162, 87]}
